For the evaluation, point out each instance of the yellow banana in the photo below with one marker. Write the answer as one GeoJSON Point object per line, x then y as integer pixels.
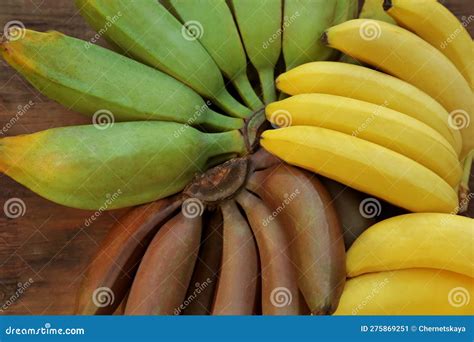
{"type": "Point", "coordinates": [374, 123]}
{"type": "Point", "coordinates": [362, 165]}
{"type": "Point", "coordinates": [366, 84]}
{"type": "Point", "coordinates": [425, 240]}
{"type": "Point", "coordinates": [414, 291]}
{"type": "Point", "coordinates": [403, 54]}
{"type": "Point", "coordinates": [424, 17]}
{"type": "Point", "coordinates": [373, 9]}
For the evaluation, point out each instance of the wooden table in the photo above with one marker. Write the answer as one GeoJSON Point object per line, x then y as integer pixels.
{"type": "Point", "coordinates": [51, 244]}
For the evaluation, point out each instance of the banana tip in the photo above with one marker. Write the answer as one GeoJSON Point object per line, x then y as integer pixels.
{"type": "Point", "coordinates": [387, 4]}
{"type": "Point", "coordinates": [324, 38]}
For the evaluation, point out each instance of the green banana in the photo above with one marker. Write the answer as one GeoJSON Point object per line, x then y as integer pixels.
{"type": "Point", "coordinates": [301, 38]}
{"type": "Point", "coordinates": [129, 164]}
{"type": "Point", "coordinates": [373, 9]}
{"type": "Point", "coordinates": [89, 78]}
{"type": "Point", "coordinates": [221, 39]}
{"type": "Point", "coordinates": [260, 27]}
{"type": "Point", "coordinates": [345, 10]}
{"type": "Point", "coordinates": [158, 39]}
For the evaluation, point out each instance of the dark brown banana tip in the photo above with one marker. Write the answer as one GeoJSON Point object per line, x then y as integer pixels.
{"type": "Point", "coordinates": [161, 282]}
{"type": "Point", "coordinates": [325, 38]}
{"type": "Point", "coordinates": [387, 4]}
{"type": "Point", "coordinates": [111, 271]}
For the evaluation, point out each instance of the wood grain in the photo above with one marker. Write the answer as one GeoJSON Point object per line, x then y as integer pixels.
{"type": "Point", "coordinates": [51, 244]}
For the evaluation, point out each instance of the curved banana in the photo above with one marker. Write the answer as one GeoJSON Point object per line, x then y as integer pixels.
{"type": "Point", "coordinates": [423, 240]}
{"type": "Point", "coordinates": [160, 40]}
{"type": "Point", "coordinates": [373, 9]}
{"type": "Point", "coordinates": [260, 28]}
{"type": "Point", "coordinates": [403, 54]}
{"type": "Point", "coordinates": [362, 165]}
{"type": "Point", "coordinates": [345, 80]}
{"type": "Point", "coordinates": [371, 122]}
{"type": "Point", "coordinates": [129, 164]}
{"type": "Point", "coordinates": [91, 80]}
{"type": "Point", "coordinates": [408, 292]}
{"type": "Point", "coordinates": [451, 38]}
{"type": "Point", "coordinates": [301, 36]}
{"type": "Point", "coordinates": [221, 39]}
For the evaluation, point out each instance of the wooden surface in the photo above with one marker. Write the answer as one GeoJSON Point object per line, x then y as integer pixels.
{"type": "Point", "coordinates": [51, 244]}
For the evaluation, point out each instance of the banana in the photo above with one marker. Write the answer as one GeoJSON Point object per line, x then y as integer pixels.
{"type": "Point", "coordinates": [408, 292]}
{"type": "Point", "coordinates": [373, 9]}
{"type": "Point", "coordinates": [236, 292]}
{"type": "Point", "coordinates": [162, 279]}
{"type": "Point", "coordinates": [347, 203]}
{"type": "Point", "coordinates": [221, 39]}
{"type": "Point", "coordinates": [119, 254]}
{"type": "Point", "coordinates": [423, 240]}
{"type": "Point", "coordinates": [260, 28]}
{"type": "Point", "coordinates": [345, 10]}
{"type": "Point", "coordinates": [91, 79]}
{"type": "Point", "coordinates": [452, 39]}
{"type": "Point", "coordinates": [301, 37]}
{"type": "Point", "coordinates": [280, 293]}
{"type": "Point", "coordinates": [403, 54]}
{"type": "Point", "coordinates": [346, 80]}
{"type": "Point", "coordinates": [317, 248]}
{"type": "Point", "coordinates": [201, 291]}
{"type": "Point", "coordinates": [161, 41]}
{"type": "Point", "coordinates": [129, 164]}
{"type": "Point", "coordinates": [371, 122]}
{"type": "Point", "coordinates": [362, 165]}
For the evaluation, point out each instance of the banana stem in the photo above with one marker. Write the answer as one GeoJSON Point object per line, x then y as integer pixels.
{"type": "Point", "coordinates": [226, 143]}
{"type": "Point", "coordinates": [231, 106]}
{"type": "Point", "coordinates": [464, 192]}
{"type": "Point", "coordinates": [248, 94]}
{"type": "Point", "coordinates": [219, 123]}
{"type": "Point", "coordinates": [267, 80]}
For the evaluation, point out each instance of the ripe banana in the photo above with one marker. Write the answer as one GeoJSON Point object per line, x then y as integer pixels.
{"type": "Point", "coordinates": [91, 79]}
{"type": "Point", "coordinates": [116, 261]}
{"type": "Point", "coordinates": [158, 39]}
{"type": "Point", "coordinates": [201, 290]}
{"type": "Point", "coordinates": [371, 122]}
{"type": "Point", "coordinates": [403, 54]}
{"type": "Point", "coordinates": [423, 240]}
{"type": "Point", "coordinates": [236, 292]}
{"type": "Point", "coordinates": [423, 17]}
{"type": "Point", "coordinates": [129, 164]}
{"type": "Point", "coordinates": [301, 37]}
{"type": "Point", "coordinates": [345, 10]}
{"type": "Point", "coordinates": [365, 84]}
{"type": "Point", "coordinates": [221, 39]}
{"type": "Point", "coordinates": [304, 207]}
{"type": "Point", "coordinates": [280, 294]}
{"type": "Point", "coordinates": [260, 28]}
{"type": "Point", "coordinates": [362, 165]}
{"type": "Point", "coordinates": [373, 9]}
{"type": "Point", "coordinates": [408, 292]}
{"type": "Point", "coordinates": [162, 279]}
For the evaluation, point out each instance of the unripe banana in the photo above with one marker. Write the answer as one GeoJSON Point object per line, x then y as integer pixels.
{"type": "Point", "coordinates": [221, 39]}
{"type": "Point", "coordinates": [129, 164]}
{"type": "Point", "coordinates": [403, 54]}
{"type": "Point", "coordinates": [408, 292]}
{"type": "Point", "coordinates": [451, 38]}
{"type": "Point", "coordinates": [260, 28]}
{"type": "Point", "coordinates": [362, 165]}
{"type": "Point", "coordinates": [423, 240]}
{"type": "Point", "coordinates": [91, 79]}
{"type": "Point", "coordinates": [373, 9]}
{"type": "Point", "coordinates": [158, 39]}
{"type": "Point", "coordinates": [345, 80]}
{"type": "Point", "coordinates": [371, 122]}
{"type": "Point", "coordinates": [301, 37]}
